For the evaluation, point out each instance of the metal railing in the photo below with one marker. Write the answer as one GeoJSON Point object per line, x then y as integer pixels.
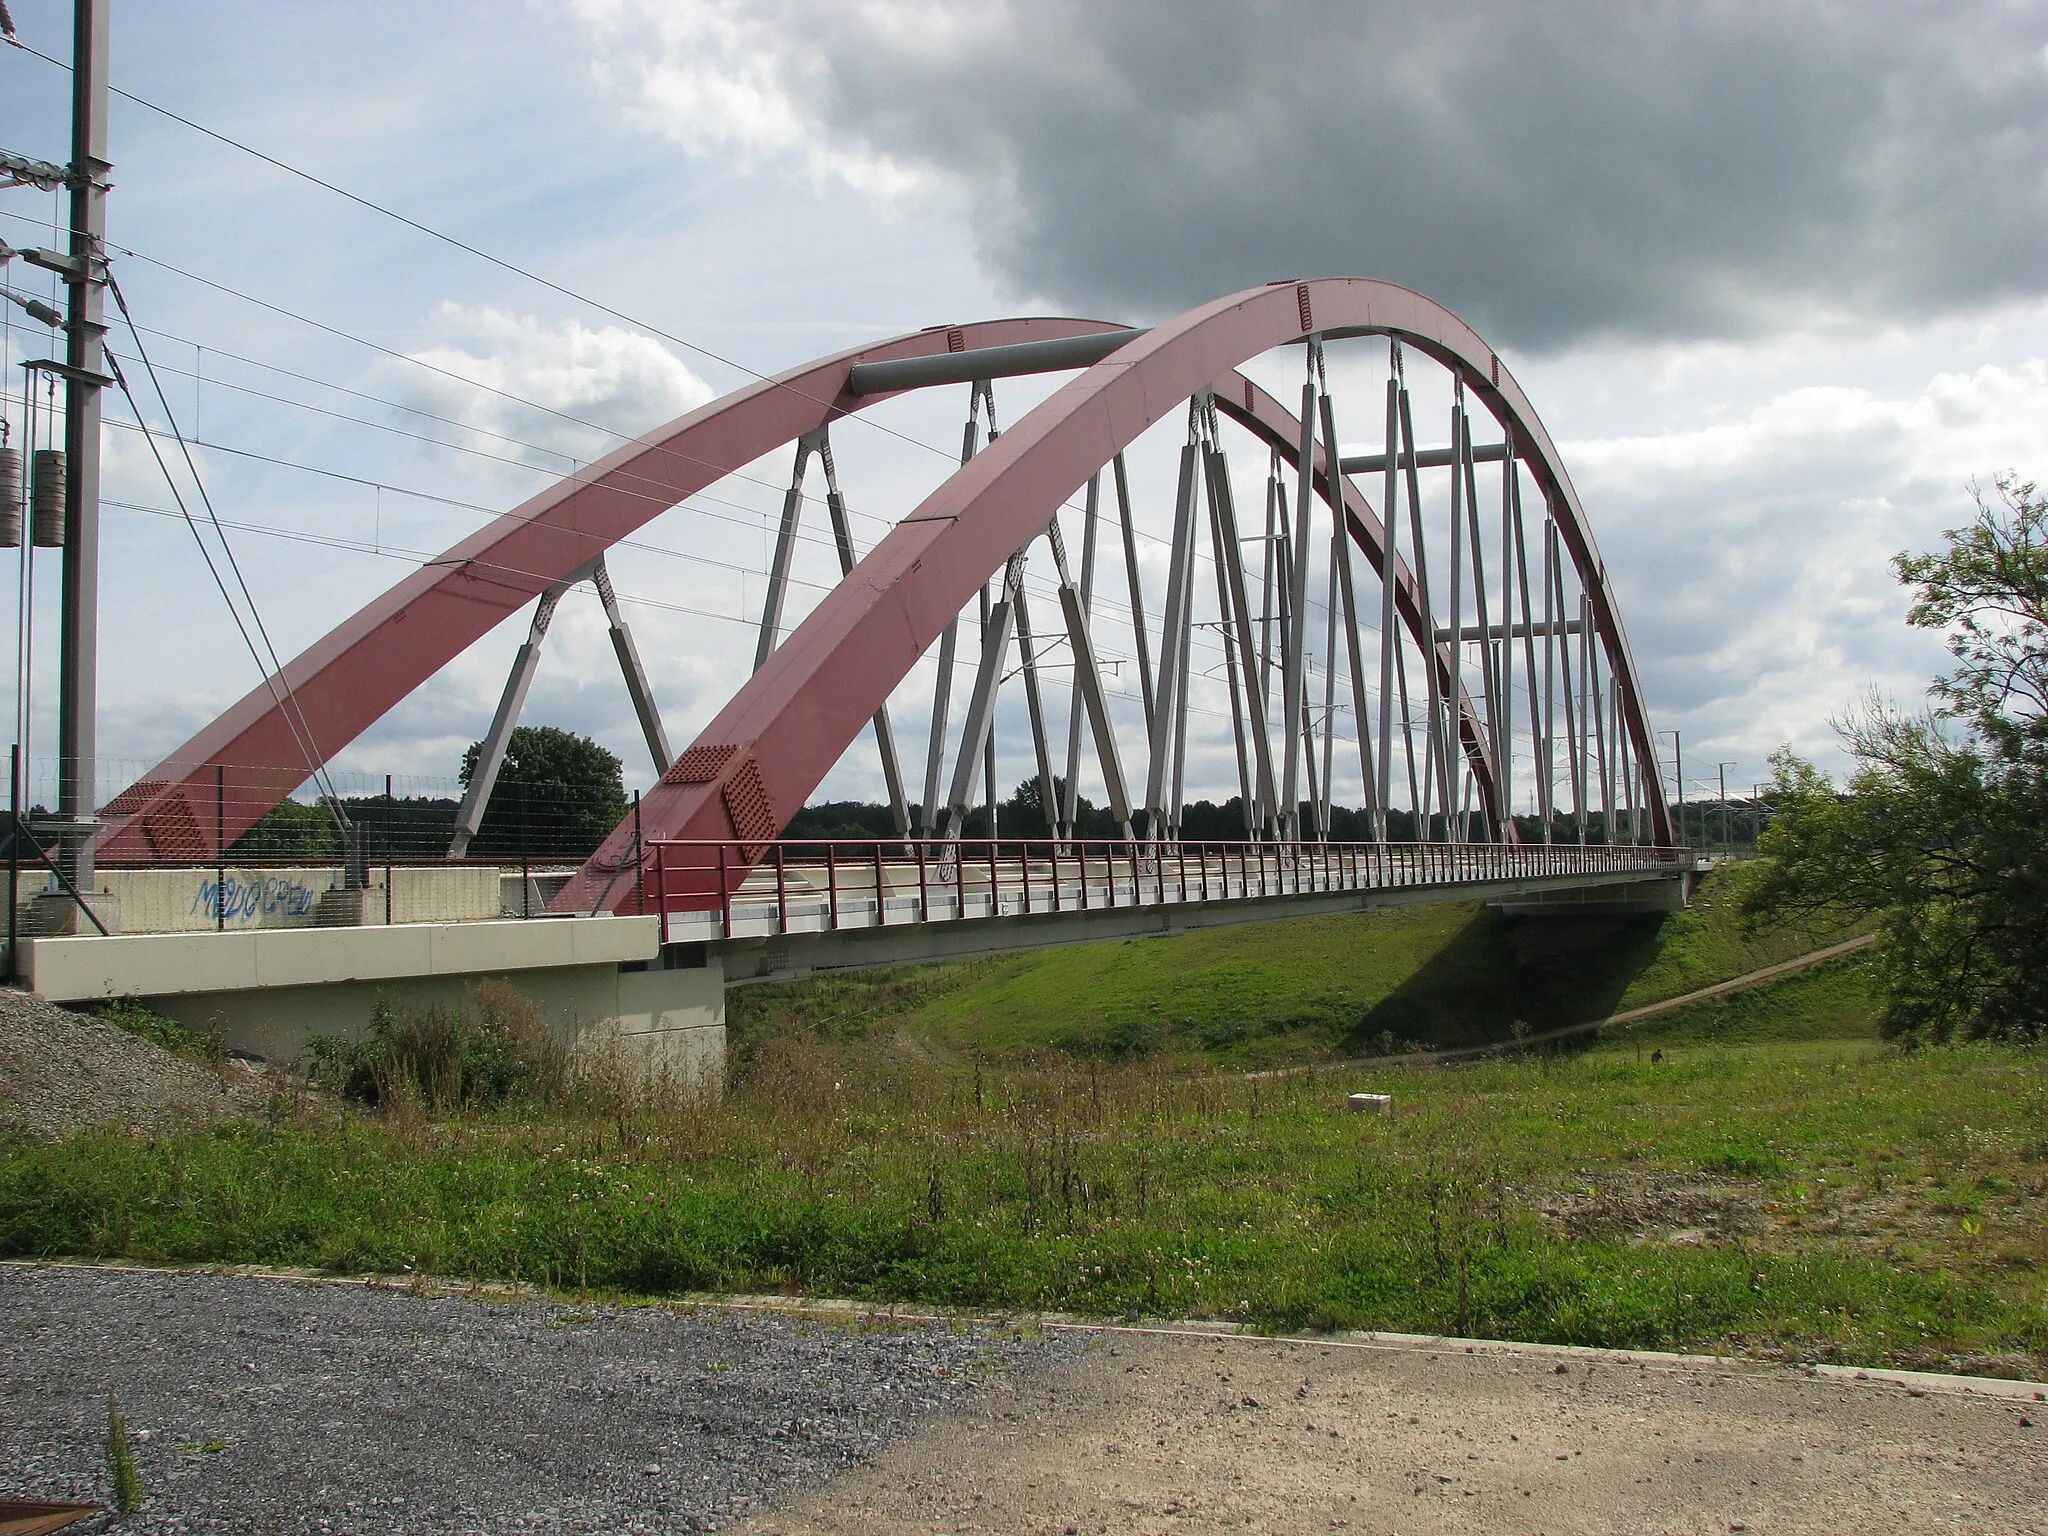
{"type": "Point", "coordinates": [728, 889]}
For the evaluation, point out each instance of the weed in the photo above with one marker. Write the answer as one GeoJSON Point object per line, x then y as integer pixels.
{"type": "Point", "coordinates": [130, 1014]}
{"type": "Point", "coordinates": [127, 1482]}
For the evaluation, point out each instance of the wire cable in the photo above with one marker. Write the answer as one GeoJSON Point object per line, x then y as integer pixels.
{"type": "Point", "coordinates": [274, 674]}
{"type": "Point", "coordinates": [485, 256]}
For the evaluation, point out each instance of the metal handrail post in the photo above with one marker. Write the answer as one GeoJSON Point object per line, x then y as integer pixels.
{"type": "Point", "coordinates": [832, 886]}
{"type": "Point", "coordinates": [724, 893]}
{"type": "Point", "coordinates": [661, 891]}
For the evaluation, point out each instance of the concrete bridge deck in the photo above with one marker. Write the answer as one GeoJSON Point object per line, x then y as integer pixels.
{"type": "Point", "coordinates": [870, 903]}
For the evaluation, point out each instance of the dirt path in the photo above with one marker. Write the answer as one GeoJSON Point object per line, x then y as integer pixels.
{"type": "Point", "coordinates": [1156, 1433]}
{"type": "Point", "coordinates": [1743, 983]}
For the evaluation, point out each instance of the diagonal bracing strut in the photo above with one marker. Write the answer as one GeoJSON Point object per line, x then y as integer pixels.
{"type": "Point", "coordinates": [490, 758]}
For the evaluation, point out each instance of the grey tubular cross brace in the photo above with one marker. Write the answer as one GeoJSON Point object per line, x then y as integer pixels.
{"type": "Point", "coordinates": [931, 817]}
{"type": "Point", "coordinates": [819, 442]}
{"type": "Point", "coordinates": [1235, 600]}
{"type": "Point", "coordinates": [1088, 695]}
{"type": "Point", "coordinates": [630, 668]}
{"type": "Point", "coordinates": [981, 706]}
{"type": "Point", "coordinates": [490, 759]}
{"type": "Point", "coordinates": [1170, 700]}
{"type": "Point", "coordinates": [1070, 796]}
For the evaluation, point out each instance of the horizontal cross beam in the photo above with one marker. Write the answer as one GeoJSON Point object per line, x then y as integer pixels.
{"type": "Point", "coordinates": [1425, 458]}
{"type": "Point", "coordinates": [1539, 631]}
{"type": "Point", "coordinates": [1014, 361]}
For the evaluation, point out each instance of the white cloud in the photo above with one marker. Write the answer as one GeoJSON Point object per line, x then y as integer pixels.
{"type": "Point", "coordinates": [1752, 554]}
{"type": "Point", "coordinates": [717, 78]}
{"type": "Point", "coordinates": [551, 392]}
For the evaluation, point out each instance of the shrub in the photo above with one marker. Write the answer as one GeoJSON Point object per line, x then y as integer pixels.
{"type": "Point", "coordinates": [495, 1051]}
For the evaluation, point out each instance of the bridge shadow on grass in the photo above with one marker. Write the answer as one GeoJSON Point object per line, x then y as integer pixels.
{"type": "Point", "coordinates": [1545, 972]}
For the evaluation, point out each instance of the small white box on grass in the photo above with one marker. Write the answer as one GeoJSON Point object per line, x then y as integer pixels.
{"type": "Point", "coordinates": [1370, 1103]}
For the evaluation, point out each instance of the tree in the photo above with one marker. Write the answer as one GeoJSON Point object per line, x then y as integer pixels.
{"type": "Point", "coordinates": [1025, 813]}
{"type": "Point", "coordinates": [558, 795]}
{"type": "Point", "coordinates": [289, 830]}
{"type": "Point", "coordinates": [1942, 834]}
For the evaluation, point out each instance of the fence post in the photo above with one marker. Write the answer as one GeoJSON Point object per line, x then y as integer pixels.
{"type": "Point", "coordinates": [661, 892]}
{"type": "Point", "coordinates": [220, 848]}
{"type": "Point", "coordinates": [639, 860]}
{"type": "Point", "coordinates": [390, 817]}
{"type": "Point", "coordinates": [13, 856]}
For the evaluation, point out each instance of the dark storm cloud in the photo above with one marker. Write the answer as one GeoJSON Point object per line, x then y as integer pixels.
{"type": "Point", "coordinates": [1552, 171]}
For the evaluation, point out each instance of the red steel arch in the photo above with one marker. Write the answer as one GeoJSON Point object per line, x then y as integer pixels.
{"type": "Point", "coordinates": [759, 760]}
{"type": "Point", "coordinates": [352, 677]}
{"type": "Point", "coordinates": [776, 739]}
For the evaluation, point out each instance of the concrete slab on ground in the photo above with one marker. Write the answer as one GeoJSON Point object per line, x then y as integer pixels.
{"type": "Point", "coordinates": [1184, 1433]}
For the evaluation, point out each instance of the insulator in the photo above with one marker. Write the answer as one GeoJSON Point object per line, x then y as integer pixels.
{"type": "Point", "coordinates": [47, 499]}
{"type": "Point", "coordinates": [10, 497]}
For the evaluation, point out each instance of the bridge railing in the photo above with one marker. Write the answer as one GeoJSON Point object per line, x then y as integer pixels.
{"type": "Point", "coordinates": [729, 889]}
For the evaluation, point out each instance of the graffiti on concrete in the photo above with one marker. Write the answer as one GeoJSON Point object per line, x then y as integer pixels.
{"type": "Point", "coordinates": [266, 896]}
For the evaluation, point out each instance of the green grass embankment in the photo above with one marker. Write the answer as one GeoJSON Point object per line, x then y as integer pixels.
{"type": "Point", "coordinates": [1452, 974]}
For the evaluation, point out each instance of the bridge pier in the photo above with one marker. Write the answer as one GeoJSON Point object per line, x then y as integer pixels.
{"type": "Point", "coordinates": [1673, 894]}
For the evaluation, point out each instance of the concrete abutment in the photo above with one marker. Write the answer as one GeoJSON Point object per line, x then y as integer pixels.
{"type": "Point", "coordinates": [600, 983]}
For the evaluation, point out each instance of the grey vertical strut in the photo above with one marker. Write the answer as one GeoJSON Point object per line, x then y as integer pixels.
{"type": "Point", "coordinates": [1170, 698]}
{"type": "Point", "coordinates": [483, 774]}
{"type": "Point", "coordinates": [629, 666]}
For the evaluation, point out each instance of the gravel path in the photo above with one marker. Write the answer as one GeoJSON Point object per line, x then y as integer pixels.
{"type": "Point", "coordinates": [62, 1072]}
{"type": "Point", "coordinates": [261, 1405]}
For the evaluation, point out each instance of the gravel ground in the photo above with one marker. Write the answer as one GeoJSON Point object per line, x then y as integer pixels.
{"type": "Point", "coordinates": [62, 1072]}
{"type": "Point", "coordinates": [261, 1405]}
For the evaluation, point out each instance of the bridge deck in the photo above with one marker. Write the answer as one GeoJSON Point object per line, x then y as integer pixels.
{"type": "Point", "coordinates": [728, 890]}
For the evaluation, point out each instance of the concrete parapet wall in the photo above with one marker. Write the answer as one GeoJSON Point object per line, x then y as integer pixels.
{"type": "Point", "coordinates": [168, 964]}
{"type": "Point", "coordinates": [185, 900]}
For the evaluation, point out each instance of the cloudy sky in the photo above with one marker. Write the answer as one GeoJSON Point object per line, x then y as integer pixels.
{"type": "Point", "coordinates": [1776, 276]}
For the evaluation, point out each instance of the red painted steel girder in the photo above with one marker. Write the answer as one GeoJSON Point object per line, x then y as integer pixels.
{"type": "Point", "coordinates": [759, 760]}
{"type": "Point", "coordinates": [358, 672]}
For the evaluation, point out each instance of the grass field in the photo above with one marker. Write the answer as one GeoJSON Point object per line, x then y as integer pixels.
{"type": "Point", "coordinates": [1779, 1181]}
{"type": "Point", "coordinates": [1447, 975]}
